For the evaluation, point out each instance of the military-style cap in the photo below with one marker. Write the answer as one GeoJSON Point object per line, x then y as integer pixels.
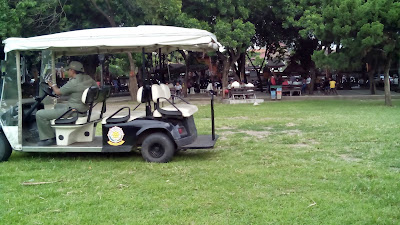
{"type": "Point", "coordinates": [75, 65]}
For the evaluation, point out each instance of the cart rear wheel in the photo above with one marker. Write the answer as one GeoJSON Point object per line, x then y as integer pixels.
{"type": "Point", "coordinates": [5, 148]}
{"type": "Point", "coordinates": [158, 147]}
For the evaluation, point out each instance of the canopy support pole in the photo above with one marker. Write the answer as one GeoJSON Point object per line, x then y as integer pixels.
{"type": "Point", "coordinates": [20, 111]}
{"type": "Point", "coordinates": [146, 84]}
{"type": "Point", "coordinates": [159, 66]}
{"type": "Point", "coordinates": [53, 68]}
{"type": "Point", "coordinates": [53, 72]}
{"type": "Point", "coordinates": [143, 66]}
{"type": "Point", "coordinates": [101, 59]}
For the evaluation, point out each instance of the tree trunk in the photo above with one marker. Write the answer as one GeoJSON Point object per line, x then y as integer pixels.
{"type": "Point", "coordinates": [185, 86]}
{"type": "Point", "coordinates": [388, 97]}
{"type": "Point", "coordinates": [313, 78]}
{"type": "Point", "coordinates": [228, 62]}
{"type": "Point", "coordinates": [133, 84]}
{"type": "Point", "coordinates": [243, 67]}
{"type": "Point", "coordinates": [398, 74]}
{"type": "Point", "coordinates": [185, 79]}
{"type": "Point", "coordinates": [372, 86]}
{"type": "Point", "coordinates": [225, 72]}
{"type": "Point", "coordinates": [258, 71]}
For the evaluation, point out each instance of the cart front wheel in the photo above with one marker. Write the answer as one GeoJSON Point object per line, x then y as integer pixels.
{"type": "Point", "coordinates": [158, 147]}
{"type": "Point", "coordinates": [5, 147]}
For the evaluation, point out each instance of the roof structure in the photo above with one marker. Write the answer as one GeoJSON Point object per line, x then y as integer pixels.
{"type": "Point", "coordinates": [294, 67]}
{"type": "Point", "coordinates": [151, 38]}
{"type": "Point", "coordinates": [275, 64]}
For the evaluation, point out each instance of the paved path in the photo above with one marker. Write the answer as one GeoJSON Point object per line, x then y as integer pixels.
{"type": "Point", "coordinates": [115, 103]}
{"type": "Point", "coordinates": [342, 94]}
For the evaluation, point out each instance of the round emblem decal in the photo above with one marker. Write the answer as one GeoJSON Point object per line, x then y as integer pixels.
{"type": "Point", "coordinates": [115, 136]}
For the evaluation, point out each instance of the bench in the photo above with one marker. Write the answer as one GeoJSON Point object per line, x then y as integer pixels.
{"type": "Point", "coordinates": [291, 89]}
{"type": "Point", "coordinates": [242, 93]}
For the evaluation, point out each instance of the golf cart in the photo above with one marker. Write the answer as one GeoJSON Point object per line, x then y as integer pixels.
{"type": "Point", "coordinates": [159, 131]}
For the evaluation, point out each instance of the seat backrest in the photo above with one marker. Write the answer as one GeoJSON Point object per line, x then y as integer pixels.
{"type": "Point", "coordinates": [93, 95]}
{"type": "Point", "coordinates": [144, 94]}
{"type": "Point", "coordinates": [139, 95]}
{"type": "Point", "coordinates": [166, 90]}
{"type": "Point", "coordinates": [103, 94]}
{"type": "Point", "coordinates": [157, 93]}
{"type": "Point", "coordinates": [89, 96]}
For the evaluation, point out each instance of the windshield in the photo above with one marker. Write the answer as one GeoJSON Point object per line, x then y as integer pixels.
{"type": "Point", "coordinates": [9, 94]}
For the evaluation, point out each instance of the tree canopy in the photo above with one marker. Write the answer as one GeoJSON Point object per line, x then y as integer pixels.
{"type": "Point", "coordinates": [340, 35]}
{"type": "Point", "coordinates": [350, 31]}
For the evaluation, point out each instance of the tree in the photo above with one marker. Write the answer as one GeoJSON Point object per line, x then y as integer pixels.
{"type": "Point", "coordinates": [227, 20]}
{"type": "Point", "coordinates": [112, 11]}
{"type": "Point", "coordinates": [351, 31]}
{"type": "Point", "coordinates": [277, 32]}
{"type": "Point", "coordinates": [25, 18]}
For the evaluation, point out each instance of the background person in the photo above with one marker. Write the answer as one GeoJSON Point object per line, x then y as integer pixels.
{"type": "Point", "coordinates": [178, 89]}
{"type": "Point", "coordinates": [332, 85]}
{"type": "Point", "coordinates": [308, 83]}
{"type": "Point", "coordinates": [73, 88]}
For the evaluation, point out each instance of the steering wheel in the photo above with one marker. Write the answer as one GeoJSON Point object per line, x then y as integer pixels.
{"type": "Point", "coordinates": [49, 91]}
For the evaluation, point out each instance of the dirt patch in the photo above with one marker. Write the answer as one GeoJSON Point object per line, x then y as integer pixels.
{"type": "Point", "coordinates": [292, 132]}
{"type": "Point", "coordinates": [268, 118]}
{"type": "Point", "coordinates": [227, 132]}
{"type": "Point", "coordinates": [312, 141]}
{"type": "Point", "coordinates": [224, 135]}
{"type": "Point", "coordinates": [226, 128]}
{"type": "Point", "coordinates": [222, 138]}
{"type": "Point", "coordinates": [249, 133]}
{"type": "Point", "coordinates": [349, 158]}
{"type": "Point", "coordinates": [306, 143]}
{"type": "Point", "coordinates": [290, 124]}
{"type": "Point", "coordinates": [258, 134]}
{"type": "Point", "coordinates": [300, 145]}
{"type": "Point", "coordinates": [238, 118]}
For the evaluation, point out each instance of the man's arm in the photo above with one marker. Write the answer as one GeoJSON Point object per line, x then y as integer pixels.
{"type": "Point", "coordinates": [54, 87]}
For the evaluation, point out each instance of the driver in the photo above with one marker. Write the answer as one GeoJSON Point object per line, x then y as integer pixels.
{"type": "Point", "coordinates": [74, 88]}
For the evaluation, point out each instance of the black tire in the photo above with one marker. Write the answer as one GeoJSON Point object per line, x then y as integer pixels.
{"type": "Point", "coordinates": [158, 147]}
{"type": "Point", "coordinates": [5, 147]}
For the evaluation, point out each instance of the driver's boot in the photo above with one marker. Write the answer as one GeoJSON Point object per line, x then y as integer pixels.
{"type": "Point", "coordinates": [47, 142]}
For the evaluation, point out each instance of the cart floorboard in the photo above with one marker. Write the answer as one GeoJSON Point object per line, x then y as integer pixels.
{"type": "Point", "coordinates": [202, 141]}
{"type": "Point", "coordinates": [95, 146]}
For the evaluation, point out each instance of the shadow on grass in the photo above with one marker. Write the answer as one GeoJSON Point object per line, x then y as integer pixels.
{"type": "Point", "coordinates": [82, 156]}
{"type": "Point", "coordinates": [195, 155]}
{"type": "Point", "coordinates": [134, 156]}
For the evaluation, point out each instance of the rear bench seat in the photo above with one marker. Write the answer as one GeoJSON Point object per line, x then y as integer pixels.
{"type": "Point", "coordinates": [162, 94]}
{"type": "Point", "coordinates": [132, 115]}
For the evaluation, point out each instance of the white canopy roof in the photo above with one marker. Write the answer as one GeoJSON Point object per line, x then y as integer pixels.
{"type": "Point", "coordinates": [118, 39]}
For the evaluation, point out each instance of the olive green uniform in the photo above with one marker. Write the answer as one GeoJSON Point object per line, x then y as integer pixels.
{"type": "Point", "coordinates": [73, 88]}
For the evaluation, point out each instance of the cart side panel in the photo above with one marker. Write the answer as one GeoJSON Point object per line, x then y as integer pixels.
{"type": "Point", "coordinates": [122, 137]}
{"type": "Point", "coordinates": [9, 101]}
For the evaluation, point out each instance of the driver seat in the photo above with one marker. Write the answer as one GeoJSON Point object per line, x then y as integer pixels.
{"type": "Point", "coordinates": [81, 129]}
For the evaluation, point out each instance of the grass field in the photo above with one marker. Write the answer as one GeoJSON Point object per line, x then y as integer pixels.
{"type": "Point", "coordinates": [305, 162]}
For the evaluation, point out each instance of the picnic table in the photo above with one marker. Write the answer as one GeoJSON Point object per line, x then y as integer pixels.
{"type": "Point", "coordinates": [291, 89]}
{"type": "Point", "coordinates": [242, 93]}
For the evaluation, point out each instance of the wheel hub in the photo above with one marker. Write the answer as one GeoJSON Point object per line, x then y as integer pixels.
{"type": "Point", "coordinates": [157, 151]}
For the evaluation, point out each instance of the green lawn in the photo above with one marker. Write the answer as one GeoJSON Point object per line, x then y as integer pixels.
{"type": "Point", "coordinates": [305, 162]}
